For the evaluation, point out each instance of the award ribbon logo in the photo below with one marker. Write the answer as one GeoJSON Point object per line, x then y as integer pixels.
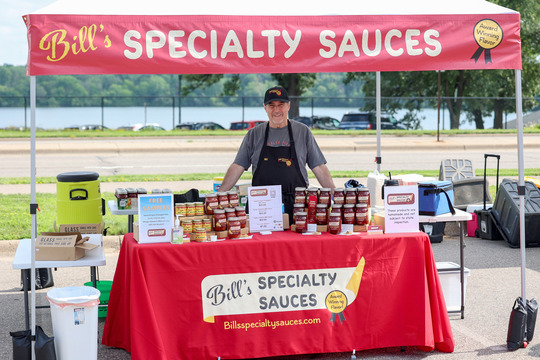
{"type": "Point", "coordinates": [488, 35]}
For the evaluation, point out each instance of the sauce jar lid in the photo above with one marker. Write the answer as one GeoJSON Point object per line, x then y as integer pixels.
{"type": "Point", "coordinates": [322, 206]}
{"type": "Point", "coordinates": [301, 213]}
{"type": "Point", "coordinates": [234, 218]}
{"type": "Point", "coordinates": [219, 211]}
{"type": "Point", "coordinates": [338, 189]}
{"type": "Point", "coordinates": [299, 205]}
{"type": "Point", "coordinates": [361, 205]}
{"type": "Point", "coordinates": [300, 188]}
{"type": "Point", "coordinates": [348, 206]}
{"type": "Point", "coordinates": [211, 195]}
{"type": "Point", "coordinates": [221, 193]}
{"type": "Point", "coordinates": [121, 191]}
{"type": "Point", "coordinates": [240, 208]}
{"type": "Point", "coordinates": [350, 190]}
{"type": "Point", "coordinates": [141, 190]}
{"type": "Point", "coordinates": [325, 189]}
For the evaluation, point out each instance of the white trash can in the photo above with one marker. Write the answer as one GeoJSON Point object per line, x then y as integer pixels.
{"type": "Point", "coordinates": [74, 312]}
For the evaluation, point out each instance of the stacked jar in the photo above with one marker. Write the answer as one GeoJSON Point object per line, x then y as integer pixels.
{"type": "Point", "coordinates": [353, 204]}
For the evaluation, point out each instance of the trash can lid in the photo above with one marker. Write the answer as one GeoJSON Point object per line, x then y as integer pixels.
{"type": "Point", "coordinates": [77, 176]}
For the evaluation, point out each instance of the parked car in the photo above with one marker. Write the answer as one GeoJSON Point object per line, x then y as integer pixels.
{"type": "Point", "coordinates": [86, 127]}
{"type": "Point", "coordinates": [200, 126]}
{"type": "Point", "coordinates": [319, 122]}
{"type": "Point", "coordinates": [148, 127]}
{"type": "Point", "coordinates": [246, 125]}
{"type": "Point", "coordinates": [355, 120]}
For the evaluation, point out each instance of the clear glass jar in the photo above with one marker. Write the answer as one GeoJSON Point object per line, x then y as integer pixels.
{"type": "Point", "coordinates": [301, 222]}
{"type": "Point", "coordinates": [200, 234]}
{"type": "Point", "coordinates": [300, 195]}
{"type": "Point", "coordinates": [220, 220]}
{"type": "Point", "coordinates": [240, 212]}
{"type": "Point", "coordinates": [334, 223]}
{"type": "Point", "coordinates": [362, 214]}
{"type": "Point", "coordinates": [223, 200]}
{"type": "Point", "coordinates": [350, 196]}
{"type": "Point", "coordinates": [233, 199]}
{"type": "Point", "coordinates": [312, 192]}
{"type": "Point", "coordinates": [299, 207]}
{"type": "Point", "coordinates": [187, 225]}
{"type": "Point", "coordinates": [364, 196]}
{"type": "Point", "coordinates": [234, 228]}
{"type": "Point", "coordinates": [325, 196]}
{"type": "Point", "coordinates": [190, 209]}
{"type": "Point", "coordinates": [339, 196]}
{"type": "Point", "coordinates": [211, 203]}
{"type": "Point", "coordinates": [348, 214]}
{"type": "Point", "coordinates": [199, 208]}
{"type": "Point", "coordinates": [321, 216]}
{"type": "Point", "coordinates": [207, 224]}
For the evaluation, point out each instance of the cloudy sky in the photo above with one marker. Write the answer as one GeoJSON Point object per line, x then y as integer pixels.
{"type": "Point", "coordinates": [13, 44]}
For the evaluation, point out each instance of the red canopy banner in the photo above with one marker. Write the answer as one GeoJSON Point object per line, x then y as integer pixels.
{"type": "Point", "coordinates": [211, 44]}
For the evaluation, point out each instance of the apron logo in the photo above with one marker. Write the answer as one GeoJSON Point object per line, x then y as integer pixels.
{"type": "Point", "coordinates": [288, 162]}
{"type": "Point", "coordinates": [488, 35]}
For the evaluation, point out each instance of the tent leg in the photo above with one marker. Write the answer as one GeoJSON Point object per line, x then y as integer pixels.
{"type": "Point", "coordinates": [521, 181]}
{"type": "Point", "coordinates": [378, 108]}
{"type": "Point", "coordinates": [33, 208]}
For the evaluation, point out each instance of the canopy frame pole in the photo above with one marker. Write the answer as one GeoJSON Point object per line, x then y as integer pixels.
{"type": "Point", "coordinates": [378, 108]}
{"type": "Point", "coordinates": [521, 182]}
{"type": "Point", "coordinates": [33, 209]}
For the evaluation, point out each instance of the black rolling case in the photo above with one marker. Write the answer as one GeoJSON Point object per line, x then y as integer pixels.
{"type": "Point", "coordinates": [487, 229]}
{"type": "Point", "coordinates": [505, 212]}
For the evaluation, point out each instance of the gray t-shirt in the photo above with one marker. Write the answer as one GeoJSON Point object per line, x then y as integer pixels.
{"type": "Point", "coordinates": [307, 150]}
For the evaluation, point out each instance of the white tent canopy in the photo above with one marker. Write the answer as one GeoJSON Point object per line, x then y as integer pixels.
{"type": "Point", "coordinates": [302, 36]}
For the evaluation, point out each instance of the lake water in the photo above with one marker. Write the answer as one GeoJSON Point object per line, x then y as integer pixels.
{"type": "Point", "coordinates": [114, 117]}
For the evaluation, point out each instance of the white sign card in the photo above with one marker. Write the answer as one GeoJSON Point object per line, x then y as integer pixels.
{"type": "Point", "coordinates": [265, 208]}
{"type": "Point", "coordinates": [401, 209]}
{"type": "Point", "coordinates": [156, 218]}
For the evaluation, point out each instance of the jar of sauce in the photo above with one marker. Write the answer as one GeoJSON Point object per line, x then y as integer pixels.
{"type": "Point", "coordinates": [187, 225]}
{"type": "Point", "coordinates": [229, 212]}
{"type": "Point", "coordinates": [337, 208]}
{"type": "Point", "coordinates": [350, 196]}
{"type": "Point", "coordinates": [235, 228]}
{"type": "Point", "coordinates": [200, 234]}
{"type": "Point", "coordinates": [300, 195]}
{"type": "Point", "coordinates": [324, 196]}
{"type": "Point", "coordinates": [132, 198]}
{"type": "Point", "coordinates": [207, 224]}
{"type": "Point", "coordinates": [321, 216]}
{"type": "Point", "coordinates": [190, 209]}
{"type": "Point", "coordinates": [348, 214]}
{"type": "Point", "coordinates": [197, 223]}
{"type": "Point", "coordinates": [334, 223]}
{"type": "Point", "coordinates": [312, 192]}
{"type": "Point", "coordinates": [301, 222]}
{"type": "Point", "coordinates": [220, 220]}
{"type": "Point", "coordinates": [121, 198]}
{"type": "Point", "coordinates": [362, 214]}
{"type": "Point", "coordinates": [241, 215]}
{"type": "Point", "coordinates": [363, 196]}
{"type": "Point", "coordinates": [199, 208]}
{"type": "Point", "coordinates": [210, 203]}
{"type": "Point", "coordinates": [233, 199]}
{"type": "Point", "coordinates": [298, 207]}
{"type": "Point", "coordinates": [223, 200]}
{"type": "Point", "coordinates": [339, 196]}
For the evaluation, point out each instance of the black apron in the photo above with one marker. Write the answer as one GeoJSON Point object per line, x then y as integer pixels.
{"type": "Point", "coordinates": [279, 166]}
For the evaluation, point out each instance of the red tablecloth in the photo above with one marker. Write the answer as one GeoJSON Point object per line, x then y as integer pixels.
{"type": "Point", "coordinates": [165, 304]}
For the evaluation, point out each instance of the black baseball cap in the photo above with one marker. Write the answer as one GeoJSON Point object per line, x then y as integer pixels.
{"type": "Point", "coordinates": [276, 93]}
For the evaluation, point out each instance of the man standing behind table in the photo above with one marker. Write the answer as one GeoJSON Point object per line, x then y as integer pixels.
{"type": "Point", "coordinates": [279, 152]}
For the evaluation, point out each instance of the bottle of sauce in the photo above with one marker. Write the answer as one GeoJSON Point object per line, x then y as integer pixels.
{"type": "Point", "coordinates": [348, 214]}
{"type": "Point", "coordinates": [324, 196]}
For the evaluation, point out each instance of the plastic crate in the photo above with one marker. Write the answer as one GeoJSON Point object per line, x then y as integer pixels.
{"type": "Point", "coordinates": [449, 276]}
{"type": "Point", "coordinates": [456, 169]}
{"type": "Point", "coordinates": [104, 287]}
{"type": "Point", "coordinates": [505, 212]}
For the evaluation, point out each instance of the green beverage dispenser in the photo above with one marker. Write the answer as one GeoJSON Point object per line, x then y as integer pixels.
{"type": "Point", "coordinates": [78, 198]}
